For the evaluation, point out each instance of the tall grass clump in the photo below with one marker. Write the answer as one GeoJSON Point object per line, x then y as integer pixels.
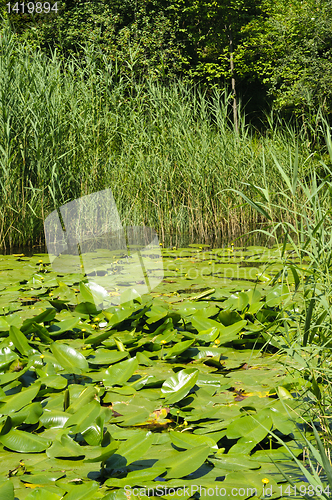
{"type": "Point", "coordinates": [170, 154]}
{"type": "Point", "coordinates": [304, 327]}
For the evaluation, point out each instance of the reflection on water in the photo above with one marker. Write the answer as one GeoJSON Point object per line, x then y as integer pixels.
{"type": "Point", "coordinates": [179, 240]}
{"type": "Point", "coordinates": [241, 240]}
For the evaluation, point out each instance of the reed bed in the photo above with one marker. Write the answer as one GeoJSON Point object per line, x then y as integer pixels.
{"type": "Point", "coordinates": [170, 154]}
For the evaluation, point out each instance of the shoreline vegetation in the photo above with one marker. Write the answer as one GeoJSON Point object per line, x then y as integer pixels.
{"type": "Point", "coordinates": [170, 154]}
{"type": "Point", "coordinates": [175, 162]}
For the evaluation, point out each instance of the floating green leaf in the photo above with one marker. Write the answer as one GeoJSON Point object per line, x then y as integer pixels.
{"type": "Point", "coordinates": [185, 462]}
{"type": "Point", "coordinates": [177, 387]}
{"type": "Point", "coordinates": [69, 358]}
{"type": "Point", "coordinates": [24, 442]}
{"type": "Point", "coordinates": [119, 373]}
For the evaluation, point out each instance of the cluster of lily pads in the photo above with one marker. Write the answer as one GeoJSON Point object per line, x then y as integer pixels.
{"type": "Point", "coordinates": [167, 396]}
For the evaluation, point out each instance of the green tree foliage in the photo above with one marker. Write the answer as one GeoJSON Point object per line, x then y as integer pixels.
{"type": "Point", "coordinates": [288, 48]}
{"type": "Point", "coordinates": [281, 48]}
{"type": "Point", "coordinates": [138, 37]}
{"type": "Point", "coordinates": [206, 26]}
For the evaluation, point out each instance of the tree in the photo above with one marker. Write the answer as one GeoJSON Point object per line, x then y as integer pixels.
{"type": "Point", "coordinates": [289, 49]}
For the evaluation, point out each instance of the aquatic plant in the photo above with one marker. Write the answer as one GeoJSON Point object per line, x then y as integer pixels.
{"type": "Point", "coordinates": [307, 329]}
{"type": "Point", "coordinates": [168, 153]}
{"type": "Point", "coordinates": [166, 391]}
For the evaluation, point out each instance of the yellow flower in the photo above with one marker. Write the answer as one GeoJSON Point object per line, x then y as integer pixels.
{"type": "Point", "coordinates": [42, 356]}
{"type": "Point", "coordinates": [40, 261]}
{"type": "Point", "coordinates": [50, 294]}
{"type": "Point", "coordinates": [265, 480]}
{"type": "Point", "coordinates": [217, 341]}
{"type": "Point", "coordinates": [163, 341]}
{"type": "Point", "coordinates": [83, 330]}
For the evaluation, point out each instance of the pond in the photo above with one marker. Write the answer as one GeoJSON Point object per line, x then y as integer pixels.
{"type": "Point", "coordinates": [168, 395]}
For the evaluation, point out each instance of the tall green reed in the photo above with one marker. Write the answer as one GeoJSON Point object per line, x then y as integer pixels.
{"type": "Point", "coordinates": [303, 229]}
{"type": "Point", "coordinates": [71, 128]}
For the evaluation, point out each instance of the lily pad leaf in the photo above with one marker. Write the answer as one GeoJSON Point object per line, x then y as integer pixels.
{"type": "Point", "coordinates": [131, 450]}
{"type": "Point", "coordinates": [250, 428]}
{"type": "Point", "coordinates": [94, 293]}
{"type": "Point", "coordinates": [6, 357]}
{"type": "Point", "coordinates": [120, 372]}
{"type": "Point", "coordinates": [178, 386]}
{"type": "Point", "coordinates": [208, 335]}
{"type": "Point", "coordinates": [93, 434]}
{"type": "Point", "coordinates": [107, 357]}
{"type": "Point", "coordinates": [83, 492]}
{"type": "Point", "coordinates": [187, 441]}
{"type": "Point", "coordinates": [183, 463]}
{"type": "Point", "coordinates": [54, 381]}
{"type": "Point", "coordinates": [234, 461]}
{"type": "Point", "coordinates": [24, 442]}
{"type": "Point", "coordinates": [238, 301]}
{"type": "Point", "coordinates": [276, 296]}
{"type": "Point", "coordinates": [7, 490]}
{"type": "Point", "coordinates": [84, 417]}
{"type": "Point", "coordinates": [65, 447]}
{"type": "Point", "coordinates": [136, 477]}
{"type": "Point", "coordinates": [229, 317]}
{"type": "Point", "coordinates": [105, 453]}
{"type": "Point", "coordinates": [201, 323]}
{"type": "Point", "coordinates": [53, 418]}
{"type": "Point", "coordinates": [41, 494]}
{"type": "Point", "coordinates": [83, 399]}
{"type": "Point", "coordinates": [229, 333]}
{"type": "Point", "coordinates": [19, 340]}
{"type": "Point", "coordinates": [29, 415]}
{"type": "Point", "coordinates": [155, 314]}
{"type": "Point", "coordinates": [179, 348]}
{"type": "Point", "coordinates": [44, 478]}
{"type": "Point", "coordinates": [68, 357]}
{"type": "Point", "coordinates": [46, 315]}
{"type": "Point", "coordinates": [63, 326]}
{"type": "Point", "coordinates": [17, 401]}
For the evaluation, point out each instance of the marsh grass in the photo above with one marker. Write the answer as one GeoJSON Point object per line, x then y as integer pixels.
{"type": "Point", "coordinates": [306, 335]}
{"type": "Point", "coordinates": [169, 154]}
